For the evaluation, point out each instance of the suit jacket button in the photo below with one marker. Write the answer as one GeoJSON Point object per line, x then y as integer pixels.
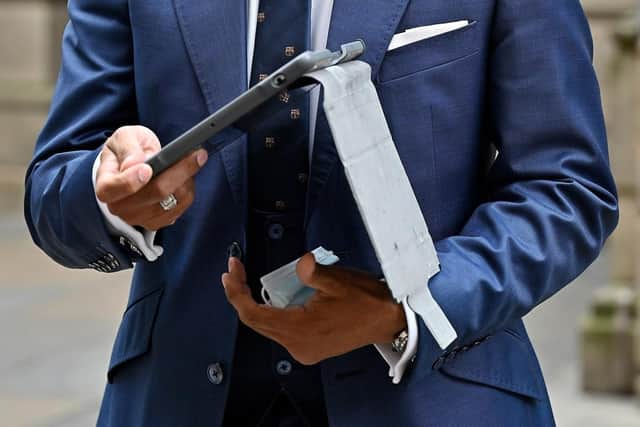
{"type": "Point", "coordinates": [215, 374]}
{"type": "Point", "coordinates": [438, 363]}
{"type": "Point", "coordinates": [234, 250]}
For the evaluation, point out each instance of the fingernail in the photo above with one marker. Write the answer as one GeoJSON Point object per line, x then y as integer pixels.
{"type": "Point", "coordinates": [201, 158]}
{"type": "Point", "coordinates": [144, 173]}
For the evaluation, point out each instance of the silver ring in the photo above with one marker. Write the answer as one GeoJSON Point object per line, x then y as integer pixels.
{"type": "Point", "coordinates": [169, 203]}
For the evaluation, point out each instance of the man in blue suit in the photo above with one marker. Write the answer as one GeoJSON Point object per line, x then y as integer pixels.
{"type": "Point", "coordinates": [509, 231]}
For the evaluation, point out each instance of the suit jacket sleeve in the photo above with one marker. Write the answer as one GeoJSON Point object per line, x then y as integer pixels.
{"type": "Point", "coordinates": [551, 199]}
{"type": "Point", "coordinates": [94, 96]}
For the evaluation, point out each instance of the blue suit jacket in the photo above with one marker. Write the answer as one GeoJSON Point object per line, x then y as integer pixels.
{"type": "Point", "coordinates": [508, 237]}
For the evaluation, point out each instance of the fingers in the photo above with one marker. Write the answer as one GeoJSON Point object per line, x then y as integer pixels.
{"type": "Point", "coordinates": [132, 145]}
{"type": "Point", "coordinates": [336, 280]}
{"type": "Point", "coordinates": [236, 269]}
{"type": "Point", "coordinates": [238, 294]}
{"type": "Point", "coordinates": [163, 218]}
{"type": "Point", "coordinates": [170, 180]}
{"type": "Point", "coordinates": [113, 185]}
{"type": "Point", "coordinates": [151, 215]}
{"type": "Point", "coordinates": [124, 182]}
{"type": "Point", "coordinates": [317, 276]}
{"type": "Point", "coordinates": [236, 289]}
{"type": "Point", "coordinates": [122, 170]}
{"type": "Point", "coordinates": [264, 319]}
{"type": "Point", "coordinates": [143, 206]}
{"type": "Point", "coordinates": [252, 314]}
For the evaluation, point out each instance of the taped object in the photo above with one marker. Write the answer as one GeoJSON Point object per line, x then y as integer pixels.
{"type": "Point", "coordinates": [382, 191]}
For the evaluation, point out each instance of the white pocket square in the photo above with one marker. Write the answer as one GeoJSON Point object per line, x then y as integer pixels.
{"type": "Point", "coordinates": [417, 34]}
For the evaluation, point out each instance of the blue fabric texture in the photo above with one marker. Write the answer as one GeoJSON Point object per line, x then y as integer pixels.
{"type": "Point", "coordinates": [282, 391]}
{"type": "Point", "coordinates": [509, 234]}
{"type": "Point", "coordinates": [279, 131]}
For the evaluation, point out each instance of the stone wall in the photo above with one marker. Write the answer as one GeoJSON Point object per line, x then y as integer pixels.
{"type": "Point", "coordinates": [30, 33]}
{"type": "Point", "coordinates": [611, 325]}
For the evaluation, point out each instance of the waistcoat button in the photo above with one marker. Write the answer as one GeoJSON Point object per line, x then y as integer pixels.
{"type": "Point", "coordinates": [284, 367]}
{"type": "Point", "coordinates": [275, 231]}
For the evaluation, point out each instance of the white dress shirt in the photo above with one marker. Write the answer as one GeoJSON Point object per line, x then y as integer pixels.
{"type": "Point", "coordinates": [320, 21]}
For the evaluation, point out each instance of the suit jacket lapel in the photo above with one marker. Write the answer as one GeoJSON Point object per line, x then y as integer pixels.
{"type": "Point", "coordinates": [373, 21]}
{"type": "Point", "coordinates": [214, 33]}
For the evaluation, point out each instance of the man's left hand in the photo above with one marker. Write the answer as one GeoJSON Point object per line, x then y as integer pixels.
{"type": "Point", "coordinates": [350, 309]}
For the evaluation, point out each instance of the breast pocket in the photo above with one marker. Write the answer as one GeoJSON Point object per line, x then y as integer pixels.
{"type": "Point", "coordinates": [429, 53]}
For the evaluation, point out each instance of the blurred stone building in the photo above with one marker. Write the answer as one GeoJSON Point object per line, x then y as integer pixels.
{"type": "Point", "coordinates": [611, 329]}
{"type": "Point", "coordinates": [30, 33]}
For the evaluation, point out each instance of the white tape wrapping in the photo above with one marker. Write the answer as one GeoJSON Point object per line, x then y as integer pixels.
{"type": "Point", "coordinates": [382, 191]}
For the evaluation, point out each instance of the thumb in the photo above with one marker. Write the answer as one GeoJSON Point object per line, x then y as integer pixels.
{"type": "Point", "coordinates": [317, 276]}
{"type": "Point", "coordinates": [113, 185]}
{"type": "Point", "coordinates": [129, 144]}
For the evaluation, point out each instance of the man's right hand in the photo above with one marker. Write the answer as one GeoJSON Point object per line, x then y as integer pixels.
{"type": "Point", "coordinates": [124, 181]}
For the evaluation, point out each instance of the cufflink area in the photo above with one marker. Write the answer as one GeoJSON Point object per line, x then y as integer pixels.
{"type": "Point", "coordinates": [107, 263]}
{"type": "Point", "coordinates": [130, 246]}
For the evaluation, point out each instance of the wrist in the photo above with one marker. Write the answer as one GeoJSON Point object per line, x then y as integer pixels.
{"type": "Point", "coordinates": [395, 323]}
